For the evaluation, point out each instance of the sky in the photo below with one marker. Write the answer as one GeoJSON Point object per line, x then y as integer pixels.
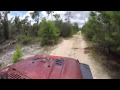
{"type": "Point", "coordinates": [78, 16]}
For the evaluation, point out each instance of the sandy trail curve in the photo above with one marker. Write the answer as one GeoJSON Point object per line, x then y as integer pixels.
{"type": "Point", "coordinates": [74, 48]}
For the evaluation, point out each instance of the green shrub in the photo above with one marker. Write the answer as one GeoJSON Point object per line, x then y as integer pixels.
{"type": "Point", "coordinates": [17, 55]}
{"type": "Point", "coordinates": [49, 33]}
{"type": "Point", "coordinates": [25, 39]}
{"type": "Point", "coordinates": [66, 29]}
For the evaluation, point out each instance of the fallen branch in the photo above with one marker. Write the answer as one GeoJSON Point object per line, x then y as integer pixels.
{"type": "Point", "coordinates": [5, 46]}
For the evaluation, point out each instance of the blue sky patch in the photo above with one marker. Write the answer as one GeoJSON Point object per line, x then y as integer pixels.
{"type": "Point", "coordinates": [17, 13]}
{"type": "Point", "coordinates": [20, 13]}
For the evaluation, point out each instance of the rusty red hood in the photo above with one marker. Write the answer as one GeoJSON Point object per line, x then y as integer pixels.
{"type": "Point", "coordinates": [44, 67]}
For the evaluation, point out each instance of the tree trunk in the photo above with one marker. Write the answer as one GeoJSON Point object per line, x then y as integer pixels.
{"type": "Point", "coordinates": [109, 49]}
{"type": "Point", "coordinates": [6, 29]}
{"type": "Point", "coordinates": [38, 23]}
{"type": "Point", "coordinates": [51, 16]}
{"type": "Point", "coordinates": [6, 32]}
{"type": "Point", "coordinates": [109, 46]}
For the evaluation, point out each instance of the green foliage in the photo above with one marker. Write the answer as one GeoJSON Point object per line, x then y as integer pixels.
{"type": "Point", "coordinates": [49, 33]}
{"type": "Point", "coordinates": [24, 32]}
{"type": "Point", "coordinates": [66, 29]}
{"type": "Point", "coordinates": [75, 28]}
{"type": "Point", "coordinates": [103, 28]}
{"type": "Point", "coordinates": [35, 15]}
{"type": "Point", "coordinates": [17, 55]}
{"type": "Point", "coordinates": [34, 30]}
{"type": "Point", "coordinates": [25, 39]}
{"type": "Point", "coordinates": [2, 39]}
{"type": "Point", "coordinates": [4, 24]}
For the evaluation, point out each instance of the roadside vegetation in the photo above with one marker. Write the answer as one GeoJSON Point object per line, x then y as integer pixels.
{"type": "Point", "coordinates": [17, 55]}
{"type": "Point", "coordinates": [22, 32]}
{"type": "Point", "coordinates": [103, 31]}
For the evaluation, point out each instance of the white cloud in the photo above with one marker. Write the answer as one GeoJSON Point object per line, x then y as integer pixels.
{"type": "Point", "coordinates": [62, 15]}
{"type": "Point", "coordinates": [52, 17]}
{"type": "Point", "coordinates": [27, 14]}
{"type": "Point", "coordinates": [78, 16]}
{"type": "Point", "coordinates": [10, 16]}
{"type": "Point", "coordinates": [44, 14]}
{"type": "Point", "coordinates": [29, 17]}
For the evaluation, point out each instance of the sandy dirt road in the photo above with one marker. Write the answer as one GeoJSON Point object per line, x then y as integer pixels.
{"type": "Point", "coordinates": [74, 48]}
